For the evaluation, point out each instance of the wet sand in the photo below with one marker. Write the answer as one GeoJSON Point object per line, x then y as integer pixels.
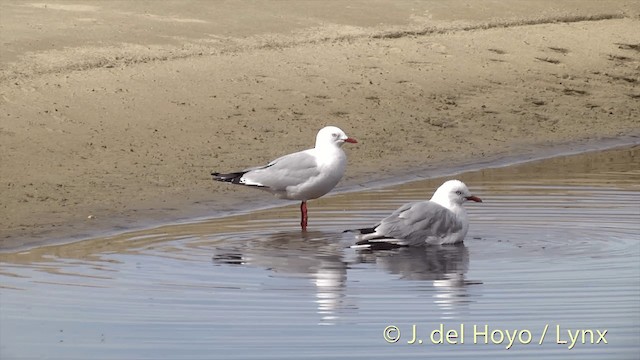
{"type": "Point", "coordinates": [120, 111]}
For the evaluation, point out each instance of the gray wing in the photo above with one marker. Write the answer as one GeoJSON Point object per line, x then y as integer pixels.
{"type": "Point", "coordinates": [285, 171]}
{"type": "Point", "coordinates": [418, 221]}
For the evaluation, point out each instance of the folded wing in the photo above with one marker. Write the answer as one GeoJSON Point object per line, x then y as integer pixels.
{"type": "Point", "coordinates": [413, 224]}
{"type": "Point", "coordinates": [289, 170]}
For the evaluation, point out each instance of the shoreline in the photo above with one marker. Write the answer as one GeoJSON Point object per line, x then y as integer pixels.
{"type": "Point", "coordinates": [62, 235]}
{"type": "Point", "coordinates": [107, 123]}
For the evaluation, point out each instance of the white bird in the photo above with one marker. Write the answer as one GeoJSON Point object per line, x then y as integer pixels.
{"type": "Point", "coordinates": [439, 221]}
{"type": "Point", "coordinates": [303, 175]}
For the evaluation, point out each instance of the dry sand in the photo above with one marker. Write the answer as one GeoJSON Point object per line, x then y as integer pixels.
{"type": "Point", "coordinates": [120, 110]}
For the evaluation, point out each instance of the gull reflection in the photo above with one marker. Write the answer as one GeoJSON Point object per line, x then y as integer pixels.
{"type": "Point", "coordinates": [324, 259]}
{"type": "Point", "coordinates": [444, 266]}
{"type": "Point", "coordinates": [315, 255]}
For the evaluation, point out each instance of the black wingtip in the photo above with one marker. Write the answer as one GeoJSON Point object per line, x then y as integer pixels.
{"type": "Point", "coordinates": [367, 245]}
{"type": "Point", "coordinates": [362, 231]}
{"type": "Point", "coordinates": [233, 178]}
{"type": "Point", "coordinates": [370, 230]}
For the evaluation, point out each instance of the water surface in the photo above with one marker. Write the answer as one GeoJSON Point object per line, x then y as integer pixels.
{"type": "Point", "coordinates": [555, 245]}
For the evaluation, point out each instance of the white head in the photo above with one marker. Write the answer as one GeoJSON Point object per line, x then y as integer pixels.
{"type": "Point", "coordinates": [453, 192]}
{"type": "Point", "coordinates": [332, 135]}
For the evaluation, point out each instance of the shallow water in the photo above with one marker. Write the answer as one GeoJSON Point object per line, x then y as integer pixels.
{"type": "Point", "coordinates": [556, 242]}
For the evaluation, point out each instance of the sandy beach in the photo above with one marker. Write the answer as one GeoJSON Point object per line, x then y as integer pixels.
{"type": "Point", "coordinates": [116, 112]}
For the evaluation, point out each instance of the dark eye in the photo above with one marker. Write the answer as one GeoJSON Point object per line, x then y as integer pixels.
{"type": "Point", "coordinates": [459, 192]}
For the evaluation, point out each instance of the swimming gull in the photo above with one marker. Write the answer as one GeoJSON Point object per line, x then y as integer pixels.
{"type": "Point", "coordinates": [439, 221]}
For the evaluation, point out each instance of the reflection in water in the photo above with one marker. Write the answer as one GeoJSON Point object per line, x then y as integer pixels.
{"type": "Point", "coordinates": [313, 254]}
{"type": "Point", "coordinates": [321, 257]}
{"type": "Point", "coordinates": [440, 263]}
{"type": "Point", "coordinates": [445, 266]}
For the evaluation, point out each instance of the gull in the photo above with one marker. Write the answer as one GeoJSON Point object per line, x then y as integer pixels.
{"type": "Point", "coordinates": [304, 175]}
{"type": "Point", "coordinates": [439, 221]}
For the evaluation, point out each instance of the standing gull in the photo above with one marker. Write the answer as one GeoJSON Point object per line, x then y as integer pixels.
{"type": "Point", "coordinates": [439, 221]}
{"type": "Point", "coordinates": [303, 175]}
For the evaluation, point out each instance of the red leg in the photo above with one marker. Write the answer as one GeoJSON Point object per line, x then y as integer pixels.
{"type": "Point", "coordinates": [303, 216]}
